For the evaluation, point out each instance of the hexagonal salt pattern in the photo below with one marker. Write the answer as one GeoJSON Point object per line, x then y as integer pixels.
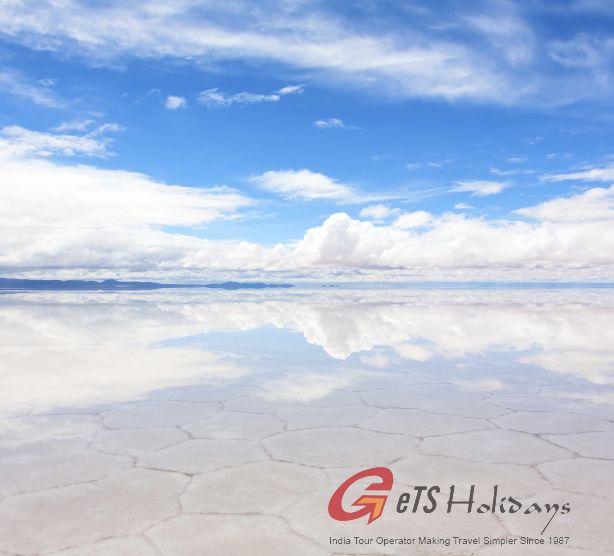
{"type": "Point", "coordinates": [339, 447]}
{"type": "Point", "coordinates": [84, 513]}
{"type": "Point", "coordinates": [143, 415]}
{"type": "Point", "coordinates": [121, 546]}
{"type": "Point", "coordinates": [420, 423]}
{"type": "Point", "coordinates": [317, 417]}
{"type": "Point", "coordinates": [522, 480]}
{"type": "Point", "coordinates": [495, 446]}
{"type": "Point", "coordinates": [200, 456]}
{"type": "Point", "coordinates": [247, 465]}
{"type": "Point", "coordinates": [135, 442]}
{"type": "Point", "coordinates": [547, 422]}
{"type": "Point", "coordinates": [464, 408]}
{"type": "Point", "coordinates": [229, 424]}
{"type": "Point", "coordinates": [263, 487]}
{"type": "Point", "coordinates": [586, 476]}
{"type": "Point", "coordinates": [590, 444]}
{"type": "Point", "coordinates": [195, 535]}
{"type": "Point", "coordinates": [58, 470]}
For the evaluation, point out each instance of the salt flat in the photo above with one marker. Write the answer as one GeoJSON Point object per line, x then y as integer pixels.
{"type": "Point", "coordinates": [199, 423]}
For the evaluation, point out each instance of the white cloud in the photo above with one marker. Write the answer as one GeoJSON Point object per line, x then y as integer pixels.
{"type": "Point", "coordinates": [582, 51]}
{"type": "Point", "coordinates": [304, 184]}
{"type": "Point", "coordinates": [378, 212]}
{"type": "Point", "coordinates": [82, 217]}
{"type": "Point", "coordinates": [414, 219]}
{"type": "Point", "coordinates": [508, 34]}
{"type": "Point", "coordinates": [59, 219]}
{"type": "Point", "coordinates": [74, 125]}
{"type": "Point", "coordinates": [492, 55]}
{"type": "Point", "coordinates": [308, 185]}
{"type": "Point", "coordinates": [18, 141]}
{"type": "Point", "coordinates": [555, 156]}
{"type": "Point", "coordinates": [45, 194]}
{"type": "Point", "coordinates": [173, 102]}
{"type": "Point", "coordinates": [15, 84]}
{"type": "Point", "coordinates": [457, 242]}
{"type": "Point", "coordinates": [463, 206]}
{"type": "Point", "coordinates": [108, 127]}
{"type": "Point", "coordinates": [589, 174]}
{"type": "Point", "coordinates": [291, 90]}
{"type": "Point", "coordinates": [330, 122]}
{"type": "Point", "coordinates": [479, 188]}
{"type": "Point", "coordinates": [413, 352]}
{"type": "Point", "coordinates": [517, 159]}
{"type": "Point", "coordinates": [212, 98]}
{"type": "Point", "coordinates": [514, 172]}
{"type": "Point", "coordinates": [594, 205]}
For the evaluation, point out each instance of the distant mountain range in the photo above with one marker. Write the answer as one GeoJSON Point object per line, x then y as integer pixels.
{"type": "Point", "coordinates": [112, 285]}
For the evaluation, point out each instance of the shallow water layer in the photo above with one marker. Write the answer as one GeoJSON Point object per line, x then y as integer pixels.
{"type": "Point", "coordinates": [195, 422]}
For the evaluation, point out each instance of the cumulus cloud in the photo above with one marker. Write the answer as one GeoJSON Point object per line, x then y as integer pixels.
{"type": "Point", "coordinates": [589, 174]}
{"type": "Point", "coordinates": [57, 217]}
{"type": "Point", "coordinates": [479, 188]}
{"type": "Point", "coordinates": [303, 184]}
{"type": "Point", "coordinates": [330, 122]}
{"type": "Point", "coordinates": [593, 205]}
{"type": "Point", "coordinates": [414, 219]}
{"type": "Point", "coordinates": [173, 102]}
{"type": "Point", "coordinates": [456, 242]}
{"type": "Point", "coordinates": [76, 216]}
{"type": "Point", "coordinates": [16, 140]}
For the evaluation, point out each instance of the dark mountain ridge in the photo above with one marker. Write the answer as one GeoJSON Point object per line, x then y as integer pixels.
{"type": "Point", "coordinates": [115, 285]}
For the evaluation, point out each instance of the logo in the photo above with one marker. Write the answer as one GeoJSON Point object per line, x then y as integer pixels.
{"type": "Point", "coordinates": [431, 498]}
{"type": "Point", "coordinates": [369, 504]}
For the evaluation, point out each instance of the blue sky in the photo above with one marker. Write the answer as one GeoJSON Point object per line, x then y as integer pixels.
{"type": "Point", "coordinates": [388, 129]}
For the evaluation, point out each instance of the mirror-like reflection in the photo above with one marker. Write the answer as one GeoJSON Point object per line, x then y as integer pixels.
{"type": "Point", "coordinates": [164, 399]}
{"type": "Point", "coordinates": [62, 348]}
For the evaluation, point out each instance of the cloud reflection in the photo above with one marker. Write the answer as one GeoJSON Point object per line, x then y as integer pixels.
{"type": "Point", "coordinates": [76, 348]}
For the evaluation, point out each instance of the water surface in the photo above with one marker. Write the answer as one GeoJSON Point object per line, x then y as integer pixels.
{"type": "Point", "coordinates": [198, 422]}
